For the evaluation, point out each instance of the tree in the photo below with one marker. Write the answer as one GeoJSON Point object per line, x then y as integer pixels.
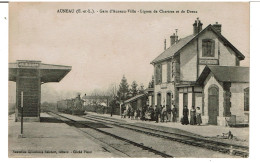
{"type": "Point", "coordinates": [123, 91]}
{"type": "Point", "coordinates": [96, 94]}
{"type": "Point", "coordinates": [114, 103]}
{"type": "Point", "coordinates": [151, 83]}
{"type": "Point", "coordinates": [141, 89]}
{"type": "Point", "coordinates": [133, 89]}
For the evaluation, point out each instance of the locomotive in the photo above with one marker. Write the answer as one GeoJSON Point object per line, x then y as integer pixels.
{"type": "Point", "coordinates": [71, 106]}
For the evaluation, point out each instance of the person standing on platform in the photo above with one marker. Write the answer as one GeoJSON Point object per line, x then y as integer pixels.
{"type": "Point", "coordinates": [174, 114]}
{"type": "Point", "coordinates": [198, 117]}
{"type": "Point", "coordinates": [160, 113]}
{"type": "Point", "coordinates": [132, 112]}
{"type": "Point", "coordinates": [164, 114]}
{"type": "Point", "coordinates": [157, 112]}
{"type": "Point", "coordinates": [193, 116]}
{"type": "Point", "coordinates": [129, 111]}
{"type": "Point", "coordinates": [111, 113]}
{"type": "Point", "coordinates": [135, 114]}
{"type": "Point", "coordinates": [168, 114]}
{"type": "Point", "coordinates": [185, 119]}
{"type": "Point", "coordinates": [152, 113]}
{"type": "Point", "coordinates": [138, 113]}
{"type": "Point", "coordinates": [122, 111]}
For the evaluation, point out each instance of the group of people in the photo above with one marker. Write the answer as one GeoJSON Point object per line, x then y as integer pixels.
{"type": "Point", "coordinates": [163, 114]}
{"type": "Point", "coordinates": [143, 113]}
{"type": "Point", "coordinates": [159, 114]}
{"type": "Point", "coordinates": [195, 116]}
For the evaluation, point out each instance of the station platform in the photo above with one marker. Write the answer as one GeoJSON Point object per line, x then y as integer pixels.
{"type": "Point", "coordinates": [51, 138]}
{"type": "Point", "coordinates": [241, 135]}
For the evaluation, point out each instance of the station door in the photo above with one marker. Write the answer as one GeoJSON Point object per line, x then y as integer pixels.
{"type": "Point", "coordinates": [213, 105]}
{"type": "Point", "coordinates": [185, 100]}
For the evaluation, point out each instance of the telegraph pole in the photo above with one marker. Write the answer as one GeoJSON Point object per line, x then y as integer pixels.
{"type": "Point", "coordinates": [21, 135]}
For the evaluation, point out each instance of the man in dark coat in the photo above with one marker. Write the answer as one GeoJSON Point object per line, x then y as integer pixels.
{"type": "Point", "coordinates": [185, 119]}
{"type": "Point", "coordinates": [160, 112]}
{"type": "Point", "coordinates": [193, 116]}
{"type": "Point", "coordinates": [122, 111]}
{"type": "Point", "coordinates": [157, 112]}
{"type": "Point", "coordinates": [174, 114]}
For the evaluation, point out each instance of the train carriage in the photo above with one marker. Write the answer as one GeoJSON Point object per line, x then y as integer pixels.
{"type": "Point", "coordinates": [71, 106]}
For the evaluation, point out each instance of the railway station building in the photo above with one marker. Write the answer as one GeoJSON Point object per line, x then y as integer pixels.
{"type": "Point", "coordinates": [29, 76]}
{"type": "Point", "coordinates": [182, 74]}
{"type": "Point", "coordinates": [226, 94]}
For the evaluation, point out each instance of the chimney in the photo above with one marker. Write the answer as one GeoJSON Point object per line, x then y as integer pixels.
{"type": "Point", "coordinates": [197, 26]}
{"type": "Point", "coordinates": [217, 27]}
{"type": "Point", "coordinates": [174, 38]}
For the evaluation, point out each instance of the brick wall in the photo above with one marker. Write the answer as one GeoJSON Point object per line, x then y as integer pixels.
{"type": "Point", "coordinates": [29, 83]}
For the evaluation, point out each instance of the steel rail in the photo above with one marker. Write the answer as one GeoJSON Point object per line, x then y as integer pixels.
{"type": "Point", "coordinates": [120, 138]}
{"type": "Point", "coordinates": [188, 136]}
{"type": "Point", "coordinates": [228, 148]}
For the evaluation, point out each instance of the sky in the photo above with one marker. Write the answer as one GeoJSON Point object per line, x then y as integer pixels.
{"type": "Point", "coordinates": [102, 47]}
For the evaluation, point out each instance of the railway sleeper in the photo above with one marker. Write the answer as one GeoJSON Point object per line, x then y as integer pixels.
{"type": "Point", "coordinates": [197, 139]}
{"type": "Point", "coordinates": [223, 150]}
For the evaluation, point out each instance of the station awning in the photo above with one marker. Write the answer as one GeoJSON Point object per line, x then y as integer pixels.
{"type": "Point", "coordinates": [48, 72]}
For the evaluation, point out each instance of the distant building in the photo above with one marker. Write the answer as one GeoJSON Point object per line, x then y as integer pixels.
{"type": "Point", "coordinates": [86, 100]}
{"type": "Point", "coordinates": [95, 100]}
{"type": "Point", "coordinates": [177, 69]}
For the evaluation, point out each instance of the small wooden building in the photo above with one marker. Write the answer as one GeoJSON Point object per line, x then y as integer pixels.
{"type": "Point", "coordinates": [137, 101]}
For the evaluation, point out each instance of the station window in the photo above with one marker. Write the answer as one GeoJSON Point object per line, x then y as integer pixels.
{"type": "Point", "coordinates": [158, 75]}
{"type": "Point", "coordinates": [208, 48]}
{"type": "Point", "coordinates": [246, 99]}
{"type": "Point", "coordinates": [164, 73]}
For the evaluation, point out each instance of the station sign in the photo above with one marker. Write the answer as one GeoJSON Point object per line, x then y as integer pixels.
{"type": "Point", "coordinates": [28, 64]}
{"type": "Point", "coordinates": [208, 61]}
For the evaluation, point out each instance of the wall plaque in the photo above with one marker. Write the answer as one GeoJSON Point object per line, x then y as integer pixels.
{"type": "Point", "coordinates": [208, 61]}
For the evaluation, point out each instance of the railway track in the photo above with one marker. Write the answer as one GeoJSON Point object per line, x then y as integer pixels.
{"type": "Point", "coordinates": [231, 149]}
{"type": "Point", "coordinates": [125, 146]}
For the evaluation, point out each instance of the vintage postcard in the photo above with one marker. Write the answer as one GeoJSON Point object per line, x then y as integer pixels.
{"type": "Point", "coordinates": [135, 79]}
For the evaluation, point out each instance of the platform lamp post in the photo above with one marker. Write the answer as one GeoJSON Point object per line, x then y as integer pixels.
{"type": "Point", "coordinates": [21, 135]}
{"type": "Point", "coordinates": [120, 107]}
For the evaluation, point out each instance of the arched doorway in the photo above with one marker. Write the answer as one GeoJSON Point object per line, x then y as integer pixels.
{"type": "Point", "coordinates": [159, 99]}
{"type": "Point", "coordinates": [213, 104]}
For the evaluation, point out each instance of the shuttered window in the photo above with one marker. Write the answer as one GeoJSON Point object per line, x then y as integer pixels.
{"type": "Point", "coordinates": [246, 99]}
{"type": "Point", "coordinates": [158, 74]}
{"type": "Point", "coordinates": [164, 73]}
{"type": "Point", "coordinates": [208, 48]}
{"type": "Point", "coordinates": [168, 71]}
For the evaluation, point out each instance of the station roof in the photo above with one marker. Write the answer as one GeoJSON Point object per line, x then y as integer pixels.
{"type": "Point", "coordinates": [48, 72]}
{"type": "Point", "coordinates": [234, 74]}
{"type": "Point", "coordinates": [147, 90]}
{"type": "Point", "coordinates": [134, 98]}
{"type": "Point", "coordinates": [174, 49]}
